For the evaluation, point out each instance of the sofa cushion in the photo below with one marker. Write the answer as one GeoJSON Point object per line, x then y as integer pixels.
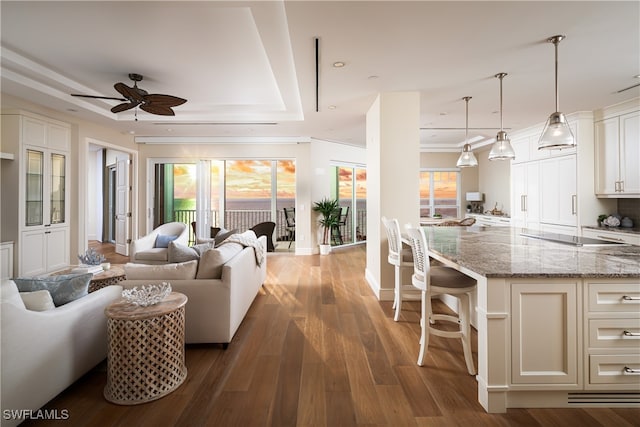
{"type": "Point", "coordinates": [220, 237]}
{"type": "Point", "coordinates": [163, 240]}
{"type": "Point", "coordinates": [38, 300]}
{"type": "Point", "coordinates": [212, 260]}
{"type": "Point", "coordinates": [154, 254]}
{"type": "Point", "coordinates": [181, 253]}
{"type": "Point", "coordinates": [64, 288]}
{"type": "Point", "coordinates": [178, 271]}
{"type": "Point", "coordinates": [200, 248]}
{"type": "Point", "coordinates": [9, 293]}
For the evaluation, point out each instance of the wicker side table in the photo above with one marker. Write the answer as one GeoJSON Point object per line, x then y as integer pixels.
{"type": "Point", "coordinates": [145, 355]}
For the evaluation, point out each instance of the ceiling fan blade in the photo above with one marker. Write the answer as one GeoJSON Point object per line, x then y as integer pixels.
{"type": "Point", "coordinates": [124, 106]}
{"type": "Point", "coordinates": [97, 97]}
{"type": "Point", "coordinates": [163, 100]}
{"type": "Point", "coordinates": [130, 93]}
{"type": "Point", "coordinates": [160, 110]}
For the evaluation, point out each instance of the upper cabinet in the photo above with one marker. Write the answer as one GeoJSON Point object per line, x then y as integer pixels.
{"type": "Point", "coordinates": [617, 141]}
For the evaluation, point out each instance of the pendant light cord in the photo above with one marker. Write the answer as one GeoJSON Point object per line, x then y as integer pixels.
{"type": "Point", "coordinates": [466, 128]}
{"type": "Point", "coordinates": [501, 76]}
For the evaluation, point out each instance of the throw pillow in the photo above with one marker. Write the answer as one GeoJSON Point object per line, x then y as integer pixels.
{"type": "Point", "coordinates": [64, 288]}
{"type": "Point", "coordinates": [181, 253]}
{"type": "Point", "coordinates": [201, 247]}
{"type": "Point", "coordinates": [223, 235]}
{"type": "Point", "coordinates": [212, 260]}
{"type": "Point", "coordinates": [38, 300]}
{"type": "Point", "coordinates": [9, 293]}
{"type": "Point", "coordinates": [180, 271]}
{"type": "Point", "coordinates": [162, 240]}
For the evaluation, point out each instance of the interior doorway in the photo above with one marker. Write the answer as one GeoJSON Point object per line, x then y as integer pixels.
{"type": "Point", "coordinates": [109, 232]}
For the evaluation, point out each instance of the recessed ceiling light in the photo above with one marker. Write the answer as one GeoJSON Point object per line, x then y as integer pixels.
{"type": "Point", "coordinates": [637, 76]}
{"type": "Point", "coordinates": [331, 107]}
{"type": "Point", "coordinates": [132, 132]}
{"type": "Point", "coordinates": [169, 130]}
{"type": "Point", "coordinates": [444, 113]}
{"type": "Point", "coordinates": [72, 110]}
{"type": "Point", "coordinates": [495, 112]}
{"type": "Point", "coordinates": [338, 64]}
{"type": "Point", "coordinates": [372, 77]}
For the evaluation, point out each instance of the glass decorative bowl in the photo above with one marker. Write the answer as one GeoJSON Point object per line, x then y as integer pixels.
{"type": "Point", "coordinates": [148, 294]}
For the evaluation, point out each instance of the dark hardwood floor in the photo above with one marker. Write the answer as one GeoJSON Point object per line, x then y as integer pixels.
{"type": "Point", "coordinates": [318, 349]}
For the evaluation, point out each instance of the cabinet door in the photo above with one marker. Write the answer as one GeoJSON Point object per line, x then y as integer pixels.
{"type": "Point", "coordinates": [545, 331]}
{"type": "Point", "coordinates": [606, 141]}
{"type": "Point", "coordinates": [33, 257]}
{"type": "Point", "coordinates": [34, 132]}
{"type": "Point", "coordinates": [58, 190]}
{"type": "Point", "coordinates": [518, 189]}
{"type": "Point", "coordinates": [532, 200]}
{"type": "Point", "coordinates": [521, 147]}
{"type": "Point", "coordinates": [58, 137]}
{"type": "Point", "coordinates": [630, 153]}
{"type": "Point", "coordinates": [34, 188]}
{"type": "Point", "coordinates": [57, 244]}
{"type": "Point", "coordinates": [558, 202]}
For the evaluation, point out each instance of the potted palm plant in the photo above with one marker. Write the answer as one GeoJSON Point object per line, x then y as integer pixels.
{"type": "Point", "coordinates": [328, 210]}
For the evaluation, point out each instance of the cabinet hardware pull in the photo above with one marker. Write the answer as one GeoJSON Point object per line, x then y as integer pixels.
{"type": "Point", "coordinates": [616, 186]}
{"type": "Point", "coordinates": [47, 232]}
{"type": "Point", "coordinates": [47, 225]}
{"type": "Point", "coordinates": [574, 203]}
{"type": "Point", "coordinates": [628, 370]}
{"type": "Point", "coordinates": [522, 203]}
{"type": "Point", "coordinates": [622, 186]}
{"type": "Point", "coordinates": [628, 298]}
{"type": "Point", "coordinates": [630, 334]}
{"type": "Point", "coordinates": [611, 238]}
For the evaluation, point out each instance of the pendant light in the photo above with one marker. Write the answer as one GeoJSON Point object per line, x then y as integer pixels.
{"type": "Point", "coordinates": [557, 132]}
{"type": "Point", "coordinates": [501, 149]}
{"type": "Point", "coordinates": [467, 158]}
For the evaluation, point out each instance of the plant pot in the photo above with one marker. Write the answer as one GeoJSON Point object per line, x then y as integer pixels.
{"type": "Point", "coordinates": [325, 249]}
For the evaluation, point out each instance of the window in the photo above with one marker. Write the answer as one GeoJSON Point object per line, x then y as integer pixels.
{"type": "Point", "coordinates": [350, 188]}
{"type": "Point", "coordinates": [246, 191]}
{"type": "Point", "coordinates": [439, 193]}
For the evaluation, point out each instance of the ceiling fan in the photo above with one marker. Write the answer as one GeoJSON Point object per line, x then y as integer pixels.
{"type": "Point", "coordinates": [154, 103]}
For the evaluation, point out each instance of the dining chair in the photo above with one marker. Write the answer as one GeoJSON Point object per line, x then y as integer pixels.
{"type": "Point", "coordinates": [290, 219]}
{"type": "Point", "coordinates": [342, 213]}
{"type": "Point", "coordinates": [440, 280]}
{"type": "Point", "coordinates": [400, 258]}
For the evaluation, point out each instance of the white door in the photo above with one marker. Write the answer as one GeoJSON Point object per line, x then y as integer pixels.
{"type": "Point", "coordinates": [123, 207]}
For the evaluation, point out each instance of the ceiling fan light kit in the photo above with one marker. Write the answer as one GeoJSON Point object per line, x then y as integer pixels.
{"type": "Point", "coordinates": [134, 97]}
{"type": "Point", "coordinates": [501, 149]}
{"type": "Point", "coordinates": [467, 158]}
{"type": "Point", "coordinates": [557, 132]}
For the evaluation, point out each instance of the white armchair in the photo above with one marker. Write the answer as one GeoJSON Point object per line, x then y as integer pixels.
{"type": "Point", "coordinates": [145, 250]}
{"type": "Point", "coordinates": [43, 352]}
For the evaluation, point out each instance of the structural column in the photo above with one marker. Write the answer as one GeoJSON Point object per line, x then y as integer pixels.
{"type": "Point", "coordinates": [393, 172]}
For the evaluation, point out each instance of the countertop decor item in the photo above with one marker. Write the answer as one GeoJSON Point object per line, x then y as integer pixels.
{"type": "Point", "coordinates": [626, 222]}
{"type": "Point", "coordinates": [611, 221]}
{"type": "Point", "coordinates": [91, 257]}
{"type": "Point", "coordinates": [148, 294]}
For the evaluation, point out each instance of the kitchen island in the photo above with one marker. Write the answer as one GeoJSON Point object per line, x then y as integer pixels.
{"type": "Point", "coordinates": [558, 325]}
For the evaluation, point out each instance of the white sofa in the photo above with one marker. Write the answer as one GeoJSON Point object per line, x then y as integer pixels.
{"type": "Point", "coordinates": [144, 250]}
{"type": "Point", "coordinates": [45, 352]}
{"type": "Point", "coordinates": [216, 307]}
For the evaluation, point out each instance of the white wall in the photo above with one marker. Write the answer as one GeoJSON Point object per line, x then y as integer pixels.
{"type": "Point", "coordinates": [494, 180]}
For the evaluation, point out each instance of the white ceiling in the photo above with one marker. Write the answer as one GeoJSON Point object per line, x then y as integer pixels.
{"type": "Point", "coordinates": [247, 69]}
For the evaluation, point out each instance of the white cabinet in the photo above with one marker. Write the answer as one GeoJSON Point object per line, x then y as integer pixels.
{"type": "Point", "coordinates": [617, 142]}
{"type": "Point", "coordinates": [612, 335]}
{"type": "Point", "coordinates": [6, 260]}
{"type": "Point", "coordinates": [36, 217]}
{"type": "Point", "coordinates": [545, 333]}
{"type": "Point", "coordinates": [525, 195]}
{"type": "Point", "coordinates": [559, 203]}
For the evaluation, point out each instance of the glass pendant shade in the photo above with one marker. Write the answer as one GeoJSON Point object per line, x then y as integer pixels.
{"type": "Point", "coordinates": [467, 159]}
{"type": "Point", "coordinates": [501, 149]}
{"type": "Point", "coordinates": [557, 132]}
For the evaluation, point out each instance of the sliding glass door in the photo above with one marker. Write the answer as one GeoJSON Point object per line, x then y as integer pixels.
{"type": "Point", "coordinates": [349, 186]}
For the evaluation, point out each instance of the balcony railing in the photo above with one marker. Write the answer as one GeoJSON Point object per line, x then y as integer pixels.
{"type": "Point", "coordinates": [243, 220]}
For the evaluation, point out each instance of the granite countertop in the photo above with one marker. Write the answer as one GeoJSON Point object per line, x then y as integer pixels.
{"type": "Point", "coordinates": [633, 230]}
{"type": "Point", "coordinates": [503, 252]}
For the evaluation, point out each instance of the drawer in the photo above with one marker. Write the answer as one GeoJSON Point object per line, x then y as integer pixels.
{"type": "Point", "coordinates": [614, 297]}
{"type": "Point", "coordinates": [614, 369]}
{"type": "Point", "coordinates": [614, 333]}
{"type": "Point", "coordinates": [629, 238]}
